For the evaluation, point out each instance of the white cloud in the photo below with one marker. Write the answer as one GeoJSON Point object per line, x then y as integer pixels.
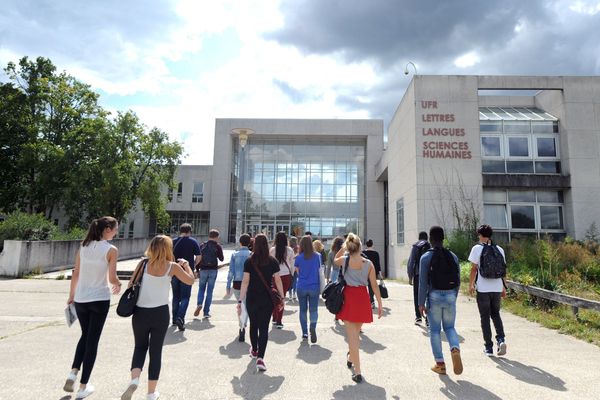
{"type": "Point", "coordinates": [585, 7]}
{"type": "Point", "coordinates": [467, 60]}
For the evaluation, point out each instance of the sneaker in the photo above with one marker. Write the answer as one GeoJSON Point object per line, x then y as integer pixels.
{"type": "Point", "coordinates": [180, 325]}
{"type": "Point", "coordinates": [70, 383]}
{"type": "Point", "coordinates": [253, 354]}
{"type": "Point", "coordinates": [85, 392]}
{"type": "Point", "coordinates": [128, 393]}
{"type": "Point", "coordinates": [305, 336]}
{"type": "Point", "coordinates": [279, 325]}
{"type": "Point", "coordinates": [488, 351]}
{"type": "Point", "coordinates": [501, 347]}
{"type": "Point", "coordinates": [439, 368]}
{"type": "Point", "coordinates": [357, 378]}
{"type": "Point", "coordinates": [313, 334]}
{"type": "Point", "coordinates": [260, 365]}
{"type": "Point", "coordinates": [418, 320]}
{"type": "Point", "coordinates": [197, 310]}
{"type": "Point", "coordinates": [456, 361]}
{"type": "Point", "coordinates": [206, 316]}
{"type": "Point", "coordinates": [153, 396]}
{"type": "Point", "coordinates": [242, 337]}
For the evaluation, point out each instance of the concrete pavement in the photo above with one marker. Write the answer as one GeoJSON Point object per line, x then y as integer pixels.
{"type": "Point", "coordinates": [207, 362]}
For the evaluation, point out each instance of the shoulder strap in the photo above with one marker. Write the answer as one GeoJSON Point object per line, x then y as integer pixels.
{"type": "Point", "coordinates": [139, 271]}
{"type": "Point", "coordinates": [177, 244]}
{"type": "Point", "coordinates": [261, 276]}
{"type": "Point", "coordinates": [346, 264]}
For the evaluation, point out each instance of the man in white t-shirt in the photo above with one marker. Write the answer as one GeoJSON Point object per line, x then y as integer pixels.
{"type": "Point", "coordinates": [489, 293]}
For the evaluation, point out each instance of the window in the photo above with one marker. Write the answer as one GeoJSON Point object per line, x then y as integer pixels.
{"type": "Point", "coordinates": [131, 228]}
{"type": "Point", "coordinates": [518, 141]}
{"type": "Point", "coordinates": [197, 194]}
{"type": "Point", "coordinates": [400, 221]}
{"type": "Point", "coordinates": [180, 192]}
{"type": "Point", "coordinates": [524, 213]}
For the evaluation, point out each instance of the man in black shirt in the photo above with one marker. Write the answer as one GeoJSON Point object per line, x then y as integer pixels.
{"type": "Point", "coordinates": [372, 255]}
{"type": "Point", "coordinates": [185, 247]}
{"type": "Point", "coordinates": [418, 249]}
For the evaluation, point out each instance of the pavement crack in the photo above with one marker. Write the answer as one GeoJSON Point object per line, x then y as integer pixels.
{"type": "Point", "coordinates": [44, 325]}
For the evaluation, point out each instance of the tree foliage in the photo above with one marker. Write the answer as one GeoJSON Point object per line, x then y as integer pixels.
{"type": "Point", "coordinates": [60, 150]}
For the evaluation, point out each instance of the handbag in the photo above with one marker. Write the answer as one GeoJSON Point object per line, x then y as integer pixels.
{"type": "Point", "coordinates": [333, 293]}
{"type": "Point", "coordinates": [275, 297]}
{"type": "Point", "coordinates": [383, 290]}
{"type": "Point", "coordinates": [129, 298]}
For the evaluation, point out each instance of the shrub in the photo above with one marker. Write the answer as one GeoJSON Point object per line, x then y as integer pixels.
{"type": "Point", "coordinates": [74, 234]}
{"type": "Point", "coordinates": [460, 243]}
{"type": "Point", "coordinates": [23, 226]}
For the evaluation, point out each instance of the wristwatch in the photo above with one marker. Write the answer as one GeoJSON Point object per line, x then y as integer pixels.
{"type": "Point", "coordinates": [239, 302]}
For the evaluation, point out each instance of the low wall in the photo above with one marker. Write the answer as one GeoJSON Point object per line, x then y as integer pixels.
{"type": "Point", "coordinates": [22, 257]}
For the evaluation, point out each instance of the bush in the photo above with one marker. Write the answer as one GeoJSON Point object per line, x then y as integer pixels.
{"type": "Point", "coordinates": [74, 234]}
{"type": "Point", "coordinates": [23, 226]}
{"type": "Point", "coordinates": [460, 243]}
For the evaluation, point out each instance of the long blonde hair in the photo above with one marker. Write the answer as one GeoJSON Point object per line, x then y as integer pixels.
{"type": "Point", "coordinates": [353, 243]}
{"type": "Point", "coordinates": [318, 246]}
{"type": "Point", "coordinates": [160, 250]}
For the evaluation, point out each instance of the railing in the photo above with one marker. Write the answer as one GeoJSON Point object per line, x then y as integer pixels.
{"type": "Point", "coordinates": [575, 302]}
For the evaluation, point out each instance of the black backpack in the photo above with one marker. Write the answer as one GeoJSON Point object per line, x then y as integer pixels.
{"type": "Point", "coordinates": [209, 255]}
{"type": "Point", "coordinates": [443, 271]}
{"type": "Point", "coordinates": [491, 262]}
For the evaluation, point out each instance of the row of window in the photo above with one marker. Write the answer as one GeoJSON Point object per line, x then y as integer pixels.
{"type": "Point", "coordinates": [197, 194]}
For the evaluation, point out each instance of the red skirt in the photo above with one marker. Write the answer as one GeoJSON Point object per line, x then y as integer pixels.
{"type": "Point", "coordinates": [357, 305]}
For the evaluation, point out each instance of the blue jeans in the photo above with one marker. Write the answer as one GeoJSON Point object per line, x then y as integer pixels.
{"type": "Point", "coordinates": [207, 281]}
{"type": "Point", "coordinates": [181, 298]}
{"type": "Point", "coordinates": [308, 299]}
{"type": "Point", "coordinates": [442, 312]}
{"type": "Point", "coordinates": [294, 282]}
{"type": "Point", "coordinates": [335, 273]}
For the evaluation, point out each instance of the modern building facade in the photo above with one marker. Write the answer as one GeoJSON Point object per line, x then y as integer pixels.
{"type": "Point", "coordinates": [457, 147]}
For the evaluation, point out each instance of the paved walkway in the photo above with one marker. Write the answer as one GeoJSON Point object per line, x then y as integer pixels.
{"type": "Point", "coordinates": [207, 362]}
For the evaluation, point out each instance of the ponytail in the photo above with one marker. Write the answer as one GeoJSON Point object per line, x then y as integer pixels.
{"type": "Point", "coordinates": [96, 229]}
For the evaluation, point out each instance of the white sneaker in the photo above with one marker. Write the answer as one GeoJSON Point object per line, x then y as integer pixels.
{"type": "Point", "coordinates": [70, 383]}
{"type": "Point", "coordinates": [133, 385]}
{"type": "Point", "coordinates": [85, 392]}
{"type": "Point", "coordinates": [153, 396]}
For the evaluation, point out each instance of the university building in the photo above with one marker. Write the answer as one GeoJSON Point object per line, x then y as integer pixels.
{"type": "Point", "coordinates": [520, 153]}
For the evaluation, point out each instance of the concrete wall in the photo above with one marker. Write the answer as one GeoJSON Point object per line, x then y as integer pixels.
{"type": "Point", "coordinates": [22, 257]}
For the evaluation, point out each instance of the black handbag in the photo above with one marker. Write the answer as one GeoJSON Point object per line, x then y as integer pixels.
{"type": "Point", "coordinates": [383, 290]}
{"type": "Point", "coordinates": [129, 298]}
{"type": "Point", "coordinates": [333, 293]}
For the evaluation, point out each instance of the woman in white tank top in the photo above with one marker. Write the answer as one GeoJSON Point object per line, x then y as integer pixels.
{"type": "Point", "coordinates": [90, 292]}
{"type": "Point", "coordinates": [151, 315]}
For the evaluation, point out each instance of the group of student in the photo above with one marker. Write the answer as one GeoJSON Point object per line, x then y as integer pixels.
{"type": "Point", "coordinates": [259, 276]}
{"type": "Point", "coordinates": [434, 273]}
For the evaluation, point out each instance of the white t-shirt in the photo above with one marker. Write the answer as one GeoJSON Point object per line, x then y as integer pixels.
{"type": "Point", "coordinates": [289, 257]}
{"type": "Point", "coordinates": [486, 285]}
{"type": "Point", "coordinates": [93, 268]}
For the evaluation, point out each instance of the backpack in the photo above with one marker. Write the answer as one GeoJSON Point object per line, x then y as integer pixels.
{"type": "Point", "coordinates": [443, 270]}
{"type": "Point", "coordinates": [491, 262]}
{"type": "Point", "coordinates": [209, 255]}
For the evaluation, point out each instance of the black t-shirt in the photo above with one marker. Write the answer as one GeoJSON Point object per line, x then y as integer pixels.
{"type": "Point", "coordinates": [257, 292]}
{"type": "Point", "coordinates": [187, 248]}
{"type": "Point", "coordinates": [373, 256]}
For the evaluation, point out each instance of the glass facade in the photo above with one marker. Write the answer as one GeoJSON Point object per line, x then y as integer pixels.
{"type": "Point", "coordinates": [297, 186]}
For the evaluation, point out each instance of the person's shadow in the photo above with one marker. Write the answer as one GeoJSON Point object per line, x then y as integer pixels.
{"type": "Point", "coordinates": [289, 312]}
{"type": "Point", "coordinates": [198, 324]}
{"type": "Point", "coordinates": [255, 385]}
{"type": "Point", "coordinates": [281, 336]}
{"type": "Point", "coordinates": [464, 390]}
{"type": "Point", "coordinates": [174, 336]}
{"type": "Point", "coordinates": [385, 312]}
{"type": "Point", "coordinates": [363, 390]}
{"type": "Point", "coordinates": [368, 345]}
{"type": "Point", "coordinates": [530, 374]}
{"type": "Point", "coordinates": [312, 354]}
{"type": "Point", "coordinates": [234, 349]}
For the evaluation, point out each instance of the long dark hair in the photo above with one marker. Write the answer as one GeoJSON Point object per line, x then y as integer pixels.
{"type": "Point", "coordinates": [260, 251]}
{"type": "Point", "coordinates": [97, 228]}
{"type": "Point", "coordinates": [281, 242]}
{"type": "Point", "coordinates": [306, 247]}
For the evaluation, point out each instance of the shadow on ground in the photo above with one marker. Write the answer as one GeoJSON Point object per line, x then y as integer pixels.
{"type": "Point", "coordinates": [174, 336]}
{"type": "Point", "coordinates": [198, 324]}
{"type": "Point", "coordinates": [312, 354]}
{"type": "Point", "coordinates": [463, 390]}
{"type": "Point", "coordinates": [235, 349]}
{"type": "Point", "coordinates": [363, 390]}
{"type": "Point", "coordinates": [366, 343]}
{"type": "Point", "coordinates": [530, 374]}
{"type": "Point", "coordinates": [282, 336]}
{"type": "Point", "coordinates": [255, 385]}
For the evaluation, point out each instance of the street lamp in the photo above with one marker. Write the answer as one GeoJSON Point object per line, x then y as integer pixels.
{"type": "Point", "coordinates": [242, 134]}
{"type": "Point", "coordinates": [406, 68]}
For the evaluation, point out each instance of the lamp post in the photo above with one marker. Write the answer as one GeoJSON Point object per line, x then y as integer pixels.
{"type": "Point", "coordinates": [406, 68]}
{"type": "Point", "coordinates": [242, 134]}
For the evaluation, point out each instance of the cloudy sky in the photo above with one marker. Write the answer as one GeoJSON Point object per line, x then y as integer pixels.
{"type": "Point", "coordinates": [179, 64]}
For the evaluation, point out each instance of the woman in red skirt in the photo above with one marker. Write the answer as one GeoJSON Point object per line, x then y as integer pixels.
{"type": "Point", "coordinates": [358, 273]}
